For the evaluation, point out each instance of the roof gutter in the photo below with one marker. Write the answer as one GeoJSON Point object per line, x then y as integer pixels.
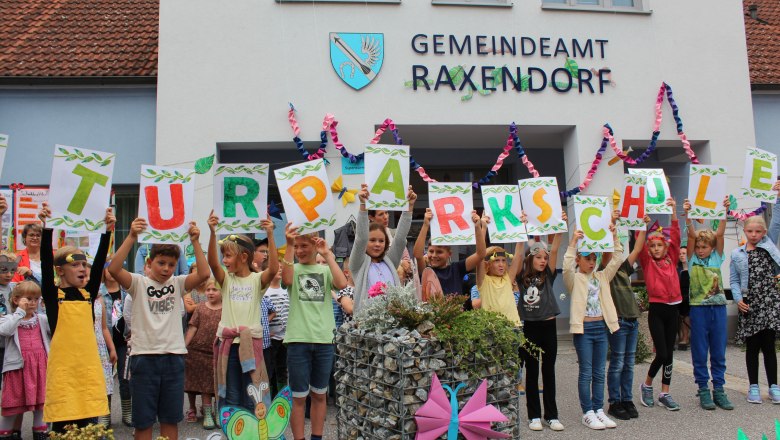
{"type": "Point", "coordinates": [76, 80]}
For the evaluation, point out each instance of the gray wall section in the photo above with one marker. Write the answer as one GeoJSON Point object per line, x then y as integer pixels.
{"type": "Point", "coordinates": [766, 114]}
{"type": "Point", "coordinates": [116, 120]}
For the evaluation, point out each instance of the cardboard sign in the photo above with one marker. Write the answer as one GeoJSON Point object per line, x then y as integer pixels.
{"type": "Point", "coordinates": [27, 204]}
{"type": "Point", "coordinates": [305, 192]}
{"type": "Point", "coordinates": [166, 201]}
{"type": "Point", "coordinates": [8, 219]}
{"type": "Point", "coordinates": [760, 174]}
{"type": "Point", "coordinates": [348, 167]}
{"type": "Point", "coordinates": [657, 190]}
{"type": "Point", "coordinates": [632, 203]}
{"type": "Point", "coordinates": [80, 189]}
{"type": "Point", "coordinates": [451, 204]}
{"type": "Point", "coordinates": [241, 196]}
{"type": "Point", "coordinates": [593, 215]}
{"type": "Point", "coordinates": [542, 204]}
{"type": "Point", "coordinates": [502, 205]}
{"type": "Point", "coordinates": [387, 176]}
{"type": "Point", "coordinates": [706, 191]}
{"type": "Point", "coordinates": [3, 148]}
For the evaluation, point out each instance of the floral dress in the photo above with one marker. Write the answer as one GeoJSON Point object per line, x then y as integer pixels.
{"type": "Point", "coordinates": [108, 368]}
{"type": "Point", "coordinates": [762, 296]}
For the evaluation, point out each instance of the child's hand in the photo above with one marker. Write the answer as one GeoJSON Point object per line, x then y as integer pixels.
{"type": "Point", "coordinates": [213, 221]}
{"type": "Point", "coordinates": [137, 227]}
{"type": "Point", "coordinates": [363, 193]}
{"type": "Point", "coordinates": [268, 226]}
{"type": "Point", "coordinates": [578, 235]}
{"type": "Point", "coordinates": [411, 197]}
{"type": "Point", "coordinates": [110, 219]}
{"type": "Point", "coordinates": [564, 216]}
{"type": "Point", "coordinates": [188, 301]}
{"type": "Point", "coordinates": [646, 219]}
{"type": "Point", "coordinates": [44, 213]}
{"type": "Point", "coordinates": [474, 217]}
{"type": "Point", "coordinates": [427, 217]}
{"type": "Point", "coordinates": [686, 206]}
{"type": "Point", "coordinates": [726, 204]}
{"type": "Point", "coordinates": [776, 187]}
{"type": "Point", "coordinates": [322, 246]}
{"type": "Point", "coordinates": [485, 219]}
{"type": "Point", "coordinates": [671, 202]}
{"type": "Point", "coordinates": [112, 357]}
{"type": "Point", "coordinates": [290, 232]}
{"type": "Point", "coordinates": [194, 232]}
{"type": "Point", "coordinates": [612, 228]}
{"type": "Point", "coordinates": [615, 215]}
{"type": "Point", "coordinates": [523, 217]}
{"type": "Point", "coordinates": [23, 304]}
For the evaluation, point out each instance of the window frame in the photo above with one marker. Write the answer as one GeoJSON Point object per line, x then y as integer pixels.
{"type": "Point", "coordinates": [640, 7]}
{"type": "Point", "coordinates": [478, 3]}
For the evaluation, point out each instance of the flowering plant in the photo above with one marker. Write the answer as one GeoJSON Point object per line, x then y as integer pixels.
{"type": "Point", "coordinates": [377, 289]}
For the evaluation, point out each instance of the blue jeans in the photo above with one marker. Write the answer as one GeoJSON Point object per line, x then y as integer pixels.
{"type": "Point", "coordinates": [309, 366]}
{"type": "Point", "coordinates": [591, 347]}
{"type": "Point", "coordinates": [157, 386]}
{"type": "Point", "coordinates": [620, 376]}
{"type": "Point", "coordinates": [237, 382]}
{"type": "Point", "coordinates": [708, 335]}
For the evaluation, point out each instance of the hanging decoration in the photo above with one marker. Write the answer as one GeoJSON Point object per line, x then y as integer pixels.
{"type": "Point", "coordinates": [344, 194]}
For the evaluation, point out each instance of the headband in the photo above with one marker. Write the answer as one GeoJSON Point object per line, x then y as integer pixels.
{"type": "Point", "coordinates": [70, 258]}
{"type": "Point", "coordinates": [498, 254]}
{"type": "Point", "coordinates": [537, 247]}
{"type": "Point", "coordinates": [239, 241]}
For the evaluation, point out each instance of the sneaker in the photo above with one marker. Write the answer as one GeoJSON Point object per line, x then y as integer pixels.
{"type": "Point", "coordinates": [617, 411]}
{"type": "Point", "coordinates": [590, 420]}
{"type": "Point", "coordinates": [609, 423]}
{"type": "Point", "coordinates": [630, 409]}
{"type": "Point", "coordinates": [190, 416]}
{"type": "Point", "coordinates": [535, 425]}
{"type": "Point", "coordinates": [665, 399]}
{"type": "Point", "coordinates": [774, 393]}
{"type": "Point", "coordinates": [554, 424]}
{"type": "Point", "coordinates": [705, 399]}
{"type": "Point", "coordinates": [721, 399]}
{"type": "Point", "coordinates": [647, 395]}
{"type": "Point", "coordinates": [754, 394]}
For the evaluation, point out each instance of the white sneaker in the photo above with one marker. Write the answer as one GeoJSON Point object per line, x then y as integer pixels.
{"type": "Point", "coordinates": [609, 423]}
{"type": "Point", "coordinates": [535, 425]}
{"type": "Point", "coordinates": [554, 424]}
{"type": "Point", "coordinates": [591, 421]}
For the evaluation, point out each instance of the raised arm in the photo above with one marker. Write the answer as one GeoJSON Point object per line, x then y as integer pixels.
{"type": "Point", "coordinates": [517, 260]}
{"type": "Point", "coordinates": [639, 243]}
{"type": "Point", "coordinates": [557, 241]}
{"type": "Point", "coordinates": [359, 256]}
{"type": "Point", "coordinates": [617, 255]}
{"type": "Point", "coordinates": [691, 230]}
{"type": "Point", "coordinates": [479, 233]}
{"type": "Point", "coordinates": [774, 224]}
{"type": "Point", "coordinates": [273, 256]}
{"type": "Point", "coordinates": [48, 289]}
{"type": "Point", "coordinates": [116, 270]}
{"type": "Point", "coordinates": [419, 245]}
{"type": "Point", "coordinates": [290, 233]}
{"type": "Point", "coordinates": [213, 258]}
{"type": "Point", "coordinates": [720, 233]}
{"type": "Point", "coordinates": [339, 280]}
{"type": "Point", "coordinates": [96, 273]}
{"type": "Point", "coordinates": [397, 249]}
{"type": "Point", "coordinates": [194, 279]}
{"type": "Point", "coordinates": [569, 268]}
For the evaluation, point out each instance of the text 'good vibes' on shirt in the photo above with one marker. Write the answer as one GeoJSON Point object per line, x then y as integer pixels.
{"type": "Point", "coordinates": [157, 311]}
{"type": "Point", "coordinates": [241, 298]}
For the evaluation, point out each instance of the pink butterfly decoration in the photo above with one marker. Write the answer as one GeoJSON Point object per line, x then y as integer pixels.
{"type": "Point", "coordinates": [439, 414]}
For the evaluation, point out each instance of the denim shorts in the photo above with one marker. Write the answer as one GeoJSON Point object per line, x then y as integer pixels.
{"type": "Point", "coordinates": [309, 367]}
{"type": "Point", "coordinates": [157, 387]}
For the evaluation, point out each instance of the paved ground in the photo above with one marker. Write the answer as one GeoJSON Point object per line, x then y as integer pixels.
{"type": "Point", "coordinates": [690, 423]}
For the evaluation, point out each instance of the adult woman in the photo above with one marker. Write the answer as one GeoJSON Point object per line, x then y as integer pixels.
{"type": "Point", "coordinates": [30, 257]}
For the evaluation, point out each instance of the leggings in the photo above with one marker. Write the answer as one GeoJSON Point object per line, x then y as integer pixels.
{"type": "Point", "coordinates": [763, 341]}
{"type": "Point", "coordinates": [662, 320]}
{"type": "Point", "coordinates": [7, 422]}
{"type": "Point", "coordinates": [544, 335]}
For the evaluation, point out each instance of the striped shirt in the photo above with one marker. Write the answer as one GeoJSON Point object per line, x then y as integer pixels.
{"type": "Point", "coordinates": [266, 308]}
{"type": "Point", "coordinates": [281, 301]}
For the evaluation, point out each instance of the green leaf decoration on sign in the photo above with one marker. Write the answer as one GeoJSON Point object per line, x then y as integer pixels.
{"type": "Point", "coordinates": [79, 155]}
{"type": "Point", "coordinates": [558, 227]}
{"type": "Point", "coordinates": [392, 152]}
{"type": "Point", "coordinates": [515, 236]}
{"type": "Point", "coordinates": [310, 226]}
{"type": "Point", "coordinates": [257, 169]}
{"type": "Point", "coordinates": [161, 175]}
{"type": "Point", "coordinates": [636, 179]}
{"type": "Point", "coordinates": [452, 238]}
{"type": "Point", "coordinates": [71, 223]}
{"type": "Point", "coordinates": [762, 155]}
{"type": "Point", "coordinates": [236, 225]}
{"type": "Point", "coordinates": [170, 236]}
{"type": "Point", "coordinates": [449, 189]}
{"type": "Point", "coordinates": [204, 164]}
{"type": "Point", "coordinates": [715, 214]}
{"type": "Point", "coordinates": [284, 175]}
{"type": "Point", "coordinates": [499, 189]}
{"type": "Point", "coordinates": [708, 170]}
{"type": "Point", "coordinates": [760, 195]}
{"type": "Point", "coordinates": [630, 223]}
{"type": "Point", "coordinates": [386, 204]}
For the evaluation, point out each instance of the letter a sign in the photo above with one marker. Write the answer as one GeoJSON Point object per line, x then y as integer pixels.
{"type": "Point", "coordinates": [387, 176]}
{"type": "Point", "coordinates": [80, 188]}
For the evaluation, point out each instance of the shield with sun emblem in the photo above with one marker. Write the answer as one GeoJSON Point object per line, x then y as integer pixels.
{"type": "Point", "coordinates": [357, 58]}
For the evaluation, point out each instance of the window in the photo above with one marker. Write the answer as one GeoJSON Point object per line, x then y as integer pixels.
{"type": "Point", "coordinates": [499, 3]}
{"type": "Point", "coordinates": [629, 6]}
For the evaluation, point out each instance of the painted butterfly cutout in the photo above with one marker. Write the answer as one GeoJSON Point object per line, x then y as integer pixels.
{"type": "Point", "coordinates": [346, 195]}
{"type": "Point", "coordinates": [265, 424]}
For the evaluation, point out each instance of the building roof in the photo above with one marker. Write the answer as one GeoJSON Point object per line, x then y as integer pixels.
{"type": "Point", "coordinates": [52, 39]}
{"type": "Point", "coordinates": [763, 42]}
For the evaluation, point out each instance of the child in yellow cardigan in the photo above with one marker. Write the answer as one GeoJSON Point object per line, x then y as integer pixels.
{"type": "Point", "coordinates": [592, 315]}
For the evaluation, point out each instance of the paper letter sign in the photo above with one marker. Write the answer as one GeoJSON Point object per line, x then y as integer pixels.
{"type": "Point", "coordinates": [632, 203]}
{"type": "Point", "coordinates": [760, 175]}
{"type": "Point", "coordinates": [305, 192]}
{"type": "Point", "coordinates": [80, 188]}
{"type": "Point", "coordinates": [502, 205]}
{"type": "Point", "coordinates": [593, 219]}
{"type": "Point", "coordinates": [706, 190]}
{"type": "Point", "coordinates": [657, 190]}
{"type": "Point", "coordinates": [241, 196]}
{"type": "Point", "coordinates": [542, 204]}
{"type": "Point", "coordinates": [387, 176]}
{"type": "Point", "coordinates": [166, 201]}
{"type": "Point", "coordinates": [451, 204]}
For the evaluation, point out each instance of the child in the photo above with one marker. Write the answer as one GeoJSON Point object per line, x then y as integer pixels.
{"type": "Point", "coordinates": [118, 296]}
{"type": "Point", "coordinates": [438, 258]}
{"type": "Point", "coordinates": [310, 325]}
{"type": "Point", "coordinates": [708, 311]}
{"type": "Point", "coordinates": [538, 309]}
{"type": "Point", "coordinates": [683, 333]}
{"type": "Point", "coordinates": [75, 384]}
{"type": "Point", "coordinates": [592, 317]}
{"type": "Point", "coordinates": [7, 270]}
{"type": "Point", "coordinates": [659, 265]}
{"type": "Point", "coordinates": [278, 352]}
{"type": "Point", "coordinates": [754, 266]}
{"type": "Point", "coordinates": [622, 343]}
{"type": "Point", "coordinates": [494, 278]}
{"type": "Point", "coordinates": [157, 358]}
{"type": "Point", "coordinates": [242, 293]}
{"type": "Point", "coordinates": [199, 362]}
{"type": "Point", "coordinates": [26, 336]}
{"type": "Point", "coordinates": [380, 260]}
{"type": "Point", "coordinates": [107, 353]}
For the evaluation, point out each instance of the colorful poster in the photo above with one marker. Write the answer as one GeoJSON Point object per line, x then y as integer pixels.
{"type": "Point", "coordinates": [3, 148]}
{"type": "Point", "coordinates": [80, 189]}
{"type": "Point", "coordinates": [760, 174]}
{"type": "Point", "coordinates": [166, 200]}
{"type": "Point", "coordinates": [451, 204]}
{"type": "Point", "coordinates": [706, 191]}
{"type": "Point", "coordinates": [241, 197]}
{"type": "Point", "coordinates": [502, 205]}
{"type": "Point", "coordinates": [632, 203]}
{"type": "Point", "coordinates": [593, 216]}
{"type": "Point", "coordinates": [542, 204]}
{"type": "Point", "coordinates": [657, 190]}
{"type": "Point", "coordinates": [305, 192]}
{"type": "Point", "coordinates": [387, 176]}
{"type": "Point", "coordinates": [8, 219]}
{"type": "Point", "coordinates": [28, 202]}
